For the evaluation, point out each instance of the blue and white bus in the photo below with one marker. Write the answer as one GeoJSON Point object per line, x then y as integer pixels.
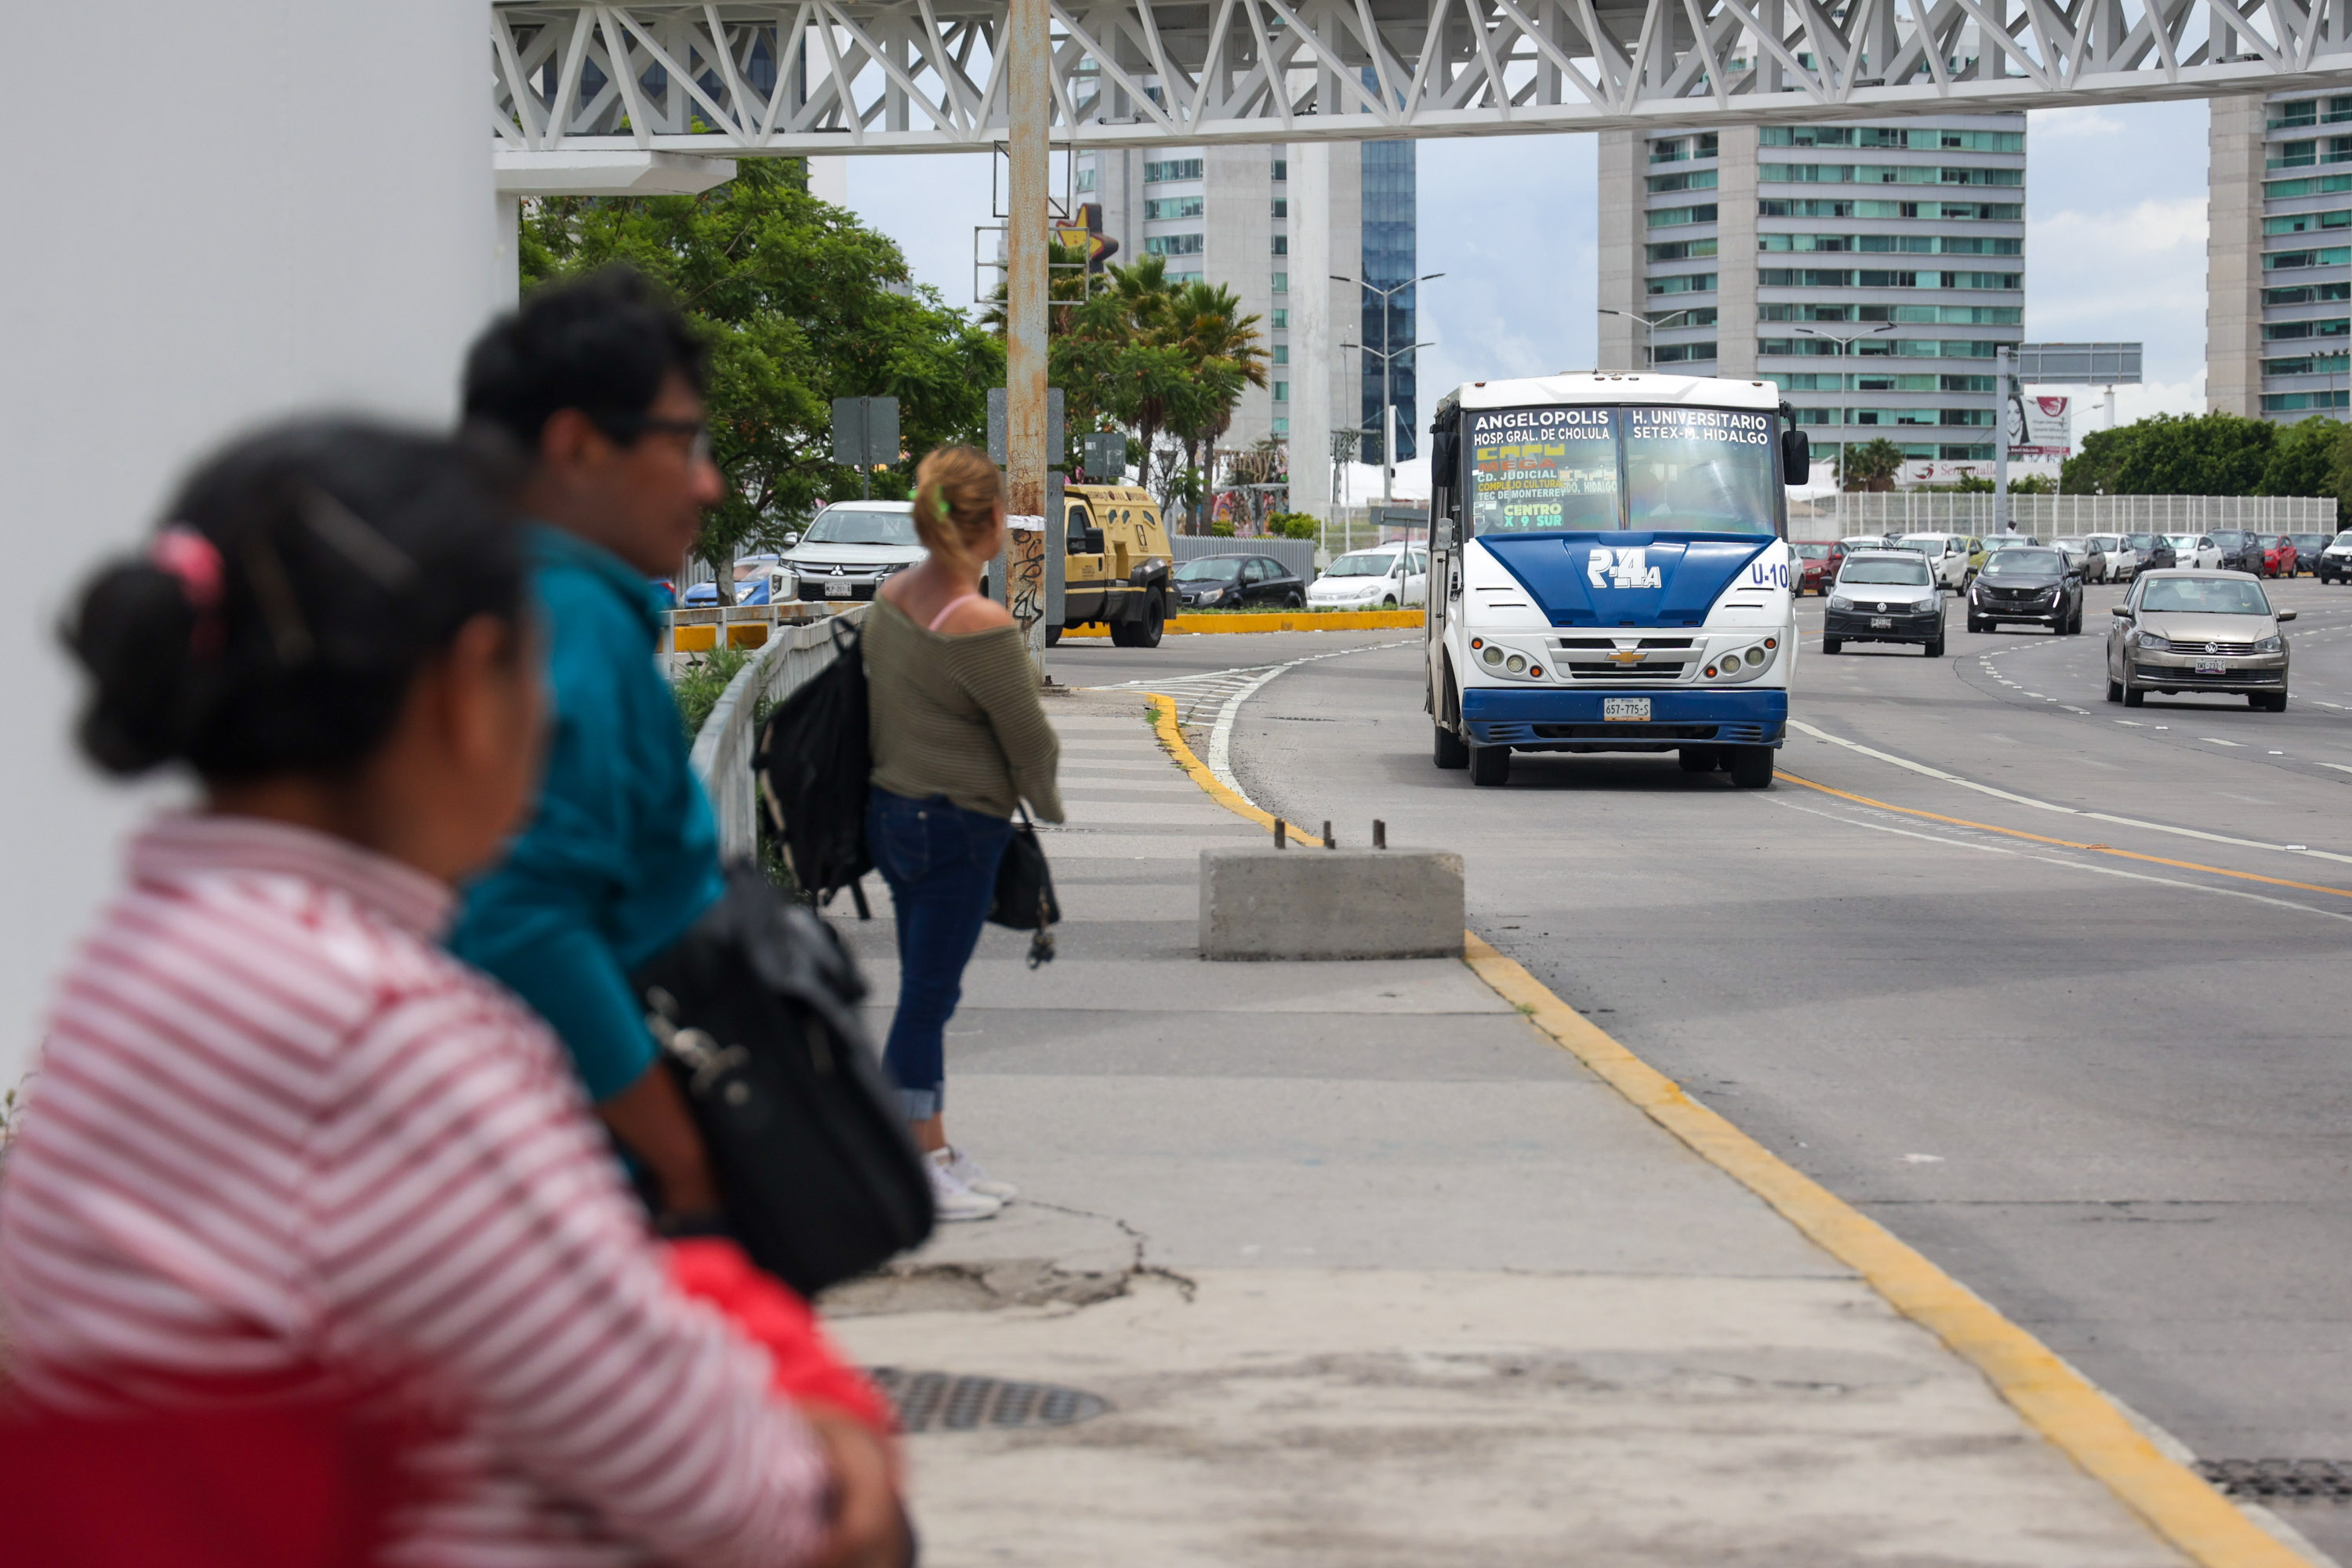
{"type": "Point", "coordinates": [1611, 571]}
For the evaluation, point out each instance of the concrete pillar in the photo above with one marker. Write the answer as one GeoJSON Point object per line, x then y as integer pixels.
{"type": "Point", "coordinates": [299, 216]}
{"type": "Point", "coordinates": [1313, 349]}
{"type": "Point", "coordinates": [2233, 257]}
{"type": "Point", "coordinates": [1622, 157]}
{"type": "Point", "coordinates": [1735, 261]}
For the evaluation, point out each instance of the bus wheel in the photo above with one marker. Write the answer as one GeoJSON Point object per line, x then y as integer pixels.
{"type": "Point", "coordinates": [1449, 751]}
{"type": "Point", "coordinates": [1752, 767]}
{"type": "Point", "coordinates": [1490, 765]}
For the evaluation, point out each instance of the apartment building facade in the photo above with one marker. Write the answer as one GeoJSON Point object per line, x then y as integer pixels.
{"type": "Point", "coordinates": [1225, 216]}
{"type": "Point", "coordinates": [1874, 271]}
{"type": "Point", "coordinates": [2279, 257]}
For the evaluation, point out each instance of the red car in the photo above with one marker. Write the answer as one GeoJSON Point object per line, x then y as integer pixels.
{"type": "Point", "coordinates": [1817, 567]}
{"type": "Point", "coordinates": [2278, 557]}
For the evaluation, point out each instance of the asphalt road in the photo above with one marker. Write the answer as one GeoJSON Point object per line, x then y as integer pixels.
{"type": "Point", "coordinates": [2035, 979]}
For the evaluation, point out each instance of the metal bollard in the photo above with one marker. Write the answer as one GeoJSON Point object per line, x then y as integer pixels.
{"type": "Point", "coordinates": [1281, 834]}
{"type": "Point", "coordinates": [1380, 833]}
{"type": "Point", "coordinates": [1327, 842]}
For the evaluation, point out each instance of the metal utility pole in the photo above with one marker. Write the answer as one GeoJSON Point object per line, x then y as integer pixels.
{"type": "Point", "coordinates": [1387, 364]}
{"type": "Point", "coordinates": [2001, 442]}
{"type": "Point", "coordinates": [1388, 407]}
{"type": "Point", "coordinates": [1028, 73]}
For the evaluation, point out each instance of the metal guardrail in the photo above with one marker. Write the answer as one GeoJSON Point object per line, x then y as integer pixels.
{"type": "Point", "coordinates": [1944, 511]}
{"type": "Point", "coordinates": [722, 747]}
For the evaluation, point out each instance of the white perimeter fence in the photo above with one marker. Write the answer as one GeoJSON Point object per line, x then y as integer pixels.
{"type": "Point", "coordinates": [2046, 517]}
{"type": "Point", "coordinates": [723, 746]}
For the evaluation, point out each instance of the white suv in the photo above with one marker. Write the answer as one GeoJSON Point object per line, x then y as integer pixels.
{"type": "Point", "coordinates": [1947, 553]}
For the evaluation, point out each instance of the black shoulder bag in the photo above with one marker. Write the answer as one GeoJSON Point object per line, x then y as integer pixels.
{"type": "Point", "coordinates": [1024, 892]}
{"type": "Point", "coordinates": [755, 1008]}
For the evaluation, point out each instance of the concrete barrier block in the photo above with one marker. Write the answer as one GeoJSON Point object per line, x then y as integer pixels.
{"type": "Point", "coordinates": [1330, 903]}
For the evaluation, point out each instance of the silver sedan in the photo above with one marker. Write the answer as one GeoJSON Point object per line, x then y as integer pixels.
{"type": "Point", "coordinates": [2185, 630]}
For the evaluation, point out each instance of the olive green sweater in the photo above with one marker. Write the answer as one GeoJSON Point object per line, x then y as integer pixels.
{"type": "Point", "coordinates": [957, 716]}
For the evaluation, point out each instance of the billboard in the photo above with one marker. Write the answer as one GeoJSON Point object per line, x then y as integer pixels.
{"type": "Point", "coordinates": [2038, 426]}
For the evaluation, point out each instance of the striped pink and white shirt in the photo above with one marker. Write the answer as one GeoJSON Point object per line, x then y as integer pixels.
{"type": "Point", "coordinates": [278, 1135]}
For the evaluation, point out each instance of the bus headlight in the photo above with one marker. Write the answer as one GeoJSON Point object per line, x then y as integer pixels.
{"type": "Point", "coordinates": [1493, 654]}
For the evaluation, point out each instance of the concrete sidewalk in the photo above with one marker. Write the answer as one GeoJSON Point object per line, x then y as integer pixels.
{"type": "Point", "coordinates": [1370, 1271]}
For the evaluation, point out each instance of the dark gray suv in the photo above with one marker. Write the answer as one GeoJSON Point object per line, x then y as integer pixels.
{"type": "Point", "coordinates": [2029, 585]}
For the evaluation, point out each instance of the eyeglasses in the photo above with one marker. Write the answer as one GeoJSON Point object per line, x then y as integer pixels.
{"type": "Point", "coordinates": [696, 431]}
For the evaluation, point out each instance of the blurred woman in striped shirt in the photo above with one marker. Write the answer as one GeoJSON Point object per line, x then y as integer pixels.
{"type": "Point", "coordinates": [285, 1154]}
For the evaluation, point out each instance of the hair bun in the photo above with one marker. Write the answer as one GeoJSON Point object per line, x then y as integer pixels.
{"type": "Point", "coordinates": [134, 632]}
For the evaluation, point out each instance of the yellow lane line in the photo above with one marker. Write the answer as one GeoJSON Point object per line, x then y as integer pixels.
{"type": "Point", "coordinates": [2057, 1400]}
{"type": "Point", "coordinates": [2067, 843]}
{"type": "Point", "coordinates": [1163, 718]}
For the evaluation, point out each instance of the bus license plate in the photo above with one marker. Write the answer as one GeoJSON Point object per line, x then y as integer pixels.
{"type": "Point", "coordinates": [2209, 667]}
{"type": "Point", "coordinates": [1633, 708]}
{"type": "Point", "coordinates": [836, 590]}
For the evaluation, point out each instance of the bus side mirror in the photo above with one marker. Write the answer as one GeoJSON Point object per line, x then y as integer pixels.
{"type": "Point", "coordinates": [1796, 457]}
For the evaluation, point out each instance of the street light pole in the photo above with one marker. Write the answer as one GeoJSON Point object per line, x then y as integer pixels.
{"type": "Point", "coordinates": [1388, 411]}
{"type": "Point", "coordinates": [1845, 350]}
{"type": "Point", "coordinates": [1388, 362]}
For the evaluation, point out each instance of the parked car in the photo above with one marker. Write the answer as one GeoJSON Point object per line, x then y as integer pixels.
{"type": "Point", "coordinates": [2308, 547]}
{"type": "Point", "coordinates": [2280, 557]}
{"type": "Point", "coordinates": [752, 583]}
{"type": "Point", "coordinates": [1233, 581]}
{"type": "Point", "coordinates": [849, 550]}
{"type": "Point", "coordinates": [1854, 541]}
{"type": "Point", "coordinates": [1386, 576]}
{"type": "Point", "coordinates": [2196, 550]}
{"type": "Point", "coordinates": [1886, 596]}
{"type": "Point", "coordinates": [1817, 567]}
{"type": "Point", "coordinates": [2154, 550]}
{"type": "Point", "coordinates": [2026, 585]}
{"type": "Point", "coordinates": [2004, 540]}
{"type": "Point", "coordinates": [2197, 631]}
{"type": "Point", "coordinates": [2334, 562]}
{"type": "Point", "coordinates": [1947, 553]}
{"type": "Point", "coordinates": [2083, 556]}
{"type": "Point", "coordinates": [2238, 549]}
{"type": "Point", "coordinates": [2123, 561]}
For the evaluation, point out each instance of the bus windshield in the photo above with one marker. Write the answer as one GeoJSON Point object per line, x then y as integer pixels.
{"type": "Point", "coordinates": [1584, 468]}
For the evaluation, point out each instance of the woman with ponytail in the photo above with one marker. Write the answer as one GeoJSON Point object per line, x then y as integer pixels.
{"type": "Point", "coordinates": [960, 741]}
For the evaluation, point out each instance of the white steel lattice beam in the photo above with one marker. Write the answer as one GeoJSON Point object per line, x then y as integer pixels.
{"type": "Point", "coordinates": [791, 77]}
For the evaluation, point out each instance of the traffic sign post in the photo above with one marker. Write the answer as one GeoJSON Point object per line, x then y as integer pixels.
{"type": "Point", "coordinates": [865, 436]}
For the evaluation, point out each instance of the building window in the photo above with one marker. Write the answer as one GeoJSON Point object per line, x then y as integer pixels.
{"type": "Point", "coordinates": [1282, 169]}
{"type": "Point", "coordinates": [1282, 391]}
{"type": "Point", "coordinates": [1886, 174]}
{"type": "Point", "coordinates": [1281, 425]}
{"type": "Point", "coordinates": [1673, 217]}
{"type": "Point", "coordinates": [1282, 206]}
{"type": "Point", "coordinates": [1174, 244]}
{"type": "Point", "coordinates": [1814, 418]}
{"type": "Point", "coordinates": [1927, 141]}
{"type": "Point", "coordinates": [2307, 223]}
{"type": "Point", "coordinates": [1697, 180]}
{"type": "Point", "coordinates": [1282, 321]}
{"type": "Point", "coordinates": [1087, 178]}
{"type": "Point", "coordinates": [1681, 251]}
{"type": "Point", "coordinates": [2333, 255]}
{"type": "Point", "coordinates": [1171, 169]}
{"type": "Point", "coordinates": [2303, 155]}
{"type": "Point", "coordinates": [1282, 245]}
{"type": "Point", "coordinates": [1180, 279]}
{"type": "Point", "coordinates": [2310, 185]}
{"type": "Point", "coordinates": [1980, 453]}
{"type": "Point", "coordinates": [1675, 321]}
{"type": "Point", "coordinates": [2300, 401]}
{"type": "Point", "coordinates": [1282, 286]}
{"type": "Point", "coordinates": [1819, 277]}
{"type": "Point", "coordinates": [1677, 149]}
{"type": "Point", "coordinates": [2308, 364]}
{"type": "Point", "coordinates": [2281, 332]}
{"type": "Point", "coordinates": [1282, 353]}
{"type": "Point", "coordinates": [1684, 283]}
{"type": "Point", "coordinates": [1676, 353]}
{"type": "Point", "coordinates": [1173, 206]}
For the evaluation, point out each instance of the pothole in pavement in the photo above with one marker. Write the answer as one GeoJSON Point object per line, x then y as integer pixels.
{"type": "Point", "coordinates": [943, 1401]}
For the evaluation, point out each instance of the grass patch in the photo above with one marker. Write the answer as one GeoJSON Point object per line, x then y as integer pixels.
{"type": "Point", "coordinates": [702, 683]}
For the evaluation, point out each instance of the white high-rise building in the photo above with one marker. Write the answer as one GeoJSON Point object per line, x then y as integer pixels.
{"type": "Point", "coordinates": [1871, 270]}
{"type": "Point", "coordinates": [2278, 264]}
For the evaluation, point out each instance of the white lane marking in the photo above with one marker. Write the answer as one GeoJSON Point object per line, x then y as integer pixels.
{"type": "Point", "coordinates": [1221, 738]}
{"type": "Point", "coordinates": [2133, 723]}
{"type": "Point", "coordinates": [2339, 767]}
{"type": "Point", "coordinates": [2015, 798]}
{"type": "Point", "coordinates": [2216, 740]}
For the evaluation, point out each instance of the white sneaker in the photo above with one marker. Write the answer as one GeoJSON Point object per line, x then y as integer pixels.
{"type": "Point", "coordinates": [967, 1170]}
{"type": "Point", "coordinates": [951, 1199]}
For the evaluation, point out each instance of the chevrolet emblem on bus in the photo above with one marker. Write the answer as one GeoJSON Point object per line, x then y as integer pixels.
{"type": "Point", "coordinates": [1628, 656]}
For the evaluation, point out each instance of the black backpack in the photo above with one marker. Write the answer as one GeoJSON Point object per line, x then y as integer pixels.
{"type": "Point", "coordinates": [813, 763]}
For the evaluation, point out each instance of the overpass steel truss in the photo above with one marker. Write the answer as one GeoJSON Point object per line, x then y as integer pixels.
{"type": "Point", "coordinates": [916, 76]}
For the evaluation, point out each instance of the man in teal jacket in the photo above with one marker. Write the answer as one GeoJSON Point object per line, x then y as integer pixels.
{"type": "Point", "coordinates": [599, 385]}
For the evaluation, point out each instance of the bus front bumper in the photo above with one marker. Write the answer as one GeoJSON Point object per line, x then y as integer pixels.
{"type": "Point", "coordinates": [1561, 719]}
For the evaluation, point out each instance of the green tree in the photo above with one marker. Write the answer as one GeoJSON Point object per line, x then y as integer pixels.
{"type": "Point", "coordinates": [2303, 458]}
{"type": "Point", "coordinates": [1872, 466]}
{"type": "Point", "coordinates": [800, 304]}
{"type": "Point", "coordinates": [2174, 455]}
{"type": "Point", "coordinates": [1226, 355]}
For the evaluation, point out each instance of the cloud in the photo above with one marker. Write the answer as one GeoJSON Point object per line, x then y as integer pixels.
{"type": "Point", "coordinates": [2064, 124]}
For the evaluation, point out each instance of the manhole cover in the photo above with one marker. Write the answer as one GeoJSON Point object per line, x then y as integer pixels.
{"type": "Point", "coordinates": [941, 1401]}
{"type": "Point", "coordinates": [2317, 1480]}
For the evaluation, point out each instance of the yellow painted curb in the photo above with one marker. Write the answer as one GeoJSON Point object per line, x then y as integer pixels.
{"type": "Point", "coordinates": [2056, 1400]}
{"type": "Point", "coordinates": [1282, 621]}
{"type": "Point", "coordinates": [1163, 718]}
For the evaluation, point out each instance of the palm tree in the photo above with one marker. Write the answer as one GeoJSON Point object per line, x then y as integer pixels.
{"type": "Point", "coordinates": [1227, 355]}
{"type": "Point", "coordinates": [1872, 466]}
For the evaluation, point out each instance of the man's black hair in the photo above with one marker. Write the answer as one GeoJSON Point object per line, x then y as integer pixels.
{"type": "Point", "coordinates": [603, 345]}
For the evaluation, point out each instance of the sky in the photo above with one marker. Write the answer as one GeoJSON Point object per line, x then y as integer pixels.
{"type": "Point", "coordinates": [2115, 244]}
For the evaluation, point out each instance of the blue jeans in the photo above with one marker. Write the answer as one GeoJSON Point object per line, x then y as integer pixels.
{"type": "Point", "coordinates": [940, 862]}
